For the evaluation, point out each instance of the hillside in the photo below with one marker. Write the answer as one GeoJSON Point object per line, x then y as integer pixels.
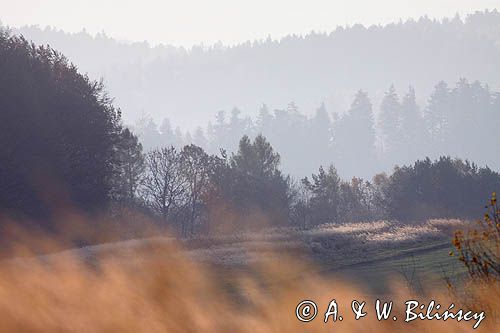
{"type": "Point", "coordinates": [182, 84]}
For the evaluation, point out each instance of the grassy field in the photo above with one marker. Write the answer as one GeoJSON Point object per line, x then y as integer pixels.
{"type": "Point", "coordinates": [371, 253]}
{"type": "Point", "coordinates": [422, 268]}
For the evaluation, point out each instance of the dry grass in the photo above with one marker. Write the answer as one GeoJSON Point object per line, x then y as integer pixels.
{"type": "Point", "coordinates": [156, 286]}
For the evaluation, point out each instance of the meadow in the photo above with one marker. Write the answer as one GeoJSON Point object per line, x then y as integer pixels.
{"type": "Point", "coordinates": [250, 282]}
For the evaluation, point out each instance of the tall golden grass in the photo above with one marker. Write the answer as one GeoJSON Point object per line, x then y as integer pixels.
{"type": "Point", "coordinates": [156, 287]}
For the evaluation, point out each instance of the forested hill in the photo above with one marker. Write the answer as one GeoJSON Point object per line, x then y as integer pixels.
{"type": "Point", "coordinates": [190, 85]}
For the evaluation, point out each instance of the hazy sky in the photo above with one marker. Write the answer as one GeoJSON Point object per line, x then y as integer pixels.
{"type": "Point", "coordinates": [187, 22]}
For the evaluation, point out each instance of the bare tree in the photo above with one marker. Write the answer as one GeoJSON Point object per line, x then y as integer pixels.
{"type": "Point", "coordinates": [164, 185]}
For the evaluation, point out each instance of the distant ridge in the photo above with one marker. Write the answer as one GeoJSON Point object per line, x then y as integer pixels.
{"type": "Point", "coordinates": [189, 86]}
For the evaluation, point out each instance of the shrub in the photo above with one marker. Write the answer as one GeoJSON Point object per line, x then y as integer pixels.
{"type": "Point", "coordinates": [478, 248]}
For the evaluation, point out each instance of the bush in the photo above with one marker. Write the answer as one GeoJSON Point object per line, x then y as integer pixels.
{"type": "Point", "coordinates": [479, 247]}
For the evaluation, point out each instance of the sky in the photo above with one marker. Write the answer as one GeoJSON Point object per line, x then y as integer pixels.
{"type": "Point", "coordinates": [189, 22]}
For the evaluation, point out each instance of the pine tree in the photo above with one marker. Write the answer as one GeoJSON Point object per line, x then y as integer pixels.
{"type": "Point", "coordinates": [412, 131]}
{"type": "Point", "coordinates": [355, 139]}
{"type": "Point", "coordinates": [129, 167]}
{"type": "Point", "coordinates": [319, 138]}
{"type": "Point", "coordinates": [199, 138]}
{"type": "Point", "coordinates": [461, 119]}
{"type": "Point", "coordinates": [179, 138]}
{"type": "Point", "coordinates": [147, 131]}
{"type": "Point", "coordinates": [436, 117]}
{"type": "Point", "coordinates": [264, 123]}
{"type": "Point", "coordinates": [389, 122]}
{"type": "Point", "coordinates": [325, 198]}
{"type": "Point", "coordinates": [257, 181]}
{"type": "Point", "coordinates": [167, 134]}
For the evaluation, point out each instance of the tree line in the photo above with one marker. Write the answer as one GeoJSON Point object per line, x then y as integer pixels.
{"type": "Point", "coordinates": [364, 140]}
{"type": "Point", "coordinates": [195, 191]}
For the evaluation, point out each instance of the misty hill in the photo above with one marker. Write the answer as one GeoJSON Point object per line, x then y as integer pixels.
{"type": "Point", "coordinates": [189, 86]}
